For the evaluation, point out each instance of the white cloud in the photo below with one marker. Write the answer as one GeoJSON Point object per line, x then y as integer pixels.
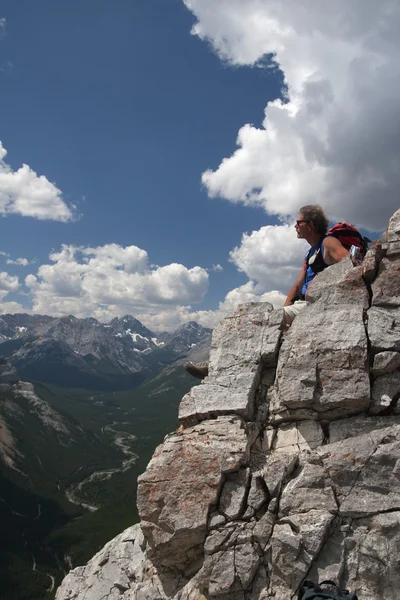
{"type": "Point", "coordinates": [25, 193]}
{"type": "Point", "coordinates": [272, 256]}
{"type": "Point", "coordinates": [171, 318]}
{"type": "Point", "coordinates": [335, 139]}
{"type": "Point", "coordinates": [8, 283]}
{"type": "Point", "coordinates": [249, 292]}
{"type": "Point", "coordinates": [23, 262]}
{"type": "Point", "coordinates": [111, 280]}
{"type": "Point", "coordinates": [216, 268]}
{"type": "Point", "coordinates": [12, 308]}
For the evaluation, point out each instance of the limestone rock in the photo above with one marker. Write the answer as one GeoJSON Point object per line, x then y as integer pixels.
{"type": "Point", "coordinates": [371, 263]}
{"type": "Point", "coordinates": [277, 471]}
{"type": "Point", "coordinates": [180, 484]}
{"type": "Point", "coordinates": [365, 552]}
{"type": "Point", "coordinates": [340, 284]}
{"type": "Point", "coordinates": [385, 391]}
{"type": "Point", "coordinates": [323, 366]}
{"type": "Point", "coordinates": [222, 577]}
{"type": "Point", "coordinates": [304, 435]}
{"type": "Point", "coordinates": [296, 542]}
{"type": "Point", "coordinates": [390, 239]}
{"type": "Point", "coordinates": [363, 471]}
{"type": "Point", "coordinates": [233, 495]}
{"type": "Point", "coordinates": [209, 400]}
{"type": "Point", "coordinates": [258, 494]}
{"type": "Point", "coordinates": [384, 328]}
{"type": "Point", "coordinates": [110, 573]}
{"type": "Point", "coordinates": [347, 428]}
{"type": "Point", "coordinates": [386, 362]}
{"type": "Point", "coordinates": [386, 287]}
{"type": "Point", "coordinates": [240, 345]}
{"type": "Point", "coordinates": [250, 334]}
{"type": "Point", "coordinates": [308, 490]}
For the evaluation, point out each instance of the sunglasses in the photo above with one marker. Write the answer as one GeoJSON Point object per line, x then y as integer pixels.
{"type": "Point", "coordinates": [301, 221]}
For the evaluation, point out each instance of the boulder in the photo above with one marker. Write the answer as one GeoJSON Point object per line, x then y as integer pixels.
{"type": "Point", "coordinates": [181, 483]}
{"type": "Point", "coordinates": [390, 240]}
{"type": "Point", "coordinates": [386, 287]}
{"type": "Point", "coordinates": [323, 369]}
{"type": "Point", "coordinates": [340, 284]}
{"type": "Point", "coordinates": [241, 346]}
{"type": "Point", "coordinates": [384, 329]}
{"type": "Point", "coordinates": [385, 362]}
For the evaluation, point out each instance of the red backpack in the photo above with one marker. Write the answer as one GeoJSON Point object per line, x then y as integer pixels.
{"type": "Point", "coordinates": [349, 236]}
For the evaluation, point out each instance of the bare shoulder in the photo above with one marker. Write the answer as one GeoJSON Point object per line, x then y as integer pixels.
{"type": "Point", "coordinates": [332, 242]}
{"type": "Point", "coordinates": [333, 250]}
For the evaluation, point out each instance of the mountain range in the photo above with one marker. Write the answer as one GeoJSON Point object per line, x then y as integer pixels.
{"type": "Point", "coordinates": [82, 406]}
{"type": "Point", "coordinates": [84, 353]}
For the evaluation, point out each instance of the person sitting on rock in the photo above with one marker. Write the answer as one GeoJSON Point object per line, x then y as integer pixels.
{"type": "Point", "coordinates": [312, 226]}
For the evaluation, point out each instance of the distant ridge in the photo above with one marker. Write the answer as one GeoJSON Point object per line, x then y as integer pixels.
{"type": "Point", "coordinates": [85, 353]}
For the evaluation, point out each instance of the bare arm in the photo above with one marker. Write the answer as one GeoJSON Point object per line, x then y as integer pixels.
{"type": "Point", "coordinates": [333, 251]}
{"type": "Point", "coordinates": [295, 290]}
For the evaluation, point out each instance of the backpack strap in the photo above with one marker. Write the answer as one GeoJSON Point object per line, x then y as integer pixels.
{"type": "Point", "coordinates": [318, 264]}
{"type": "Point", "coordinates": [318, 596]}
{"type": "Point", "coordinates": [330, 582]}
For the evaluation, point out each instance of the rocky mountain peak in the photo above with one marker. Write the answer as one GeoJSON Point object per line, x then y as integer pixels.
{"type": "Point", "coordinates": [130, 325]}
{"type": "Point", "coordinates": [187, 335]}
{"type": "Point", "coordinates": [286, 462]}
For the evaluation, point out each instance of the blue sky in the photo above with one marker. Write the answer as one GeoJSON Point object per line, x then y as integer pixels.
{"type": "Point", "coordinates": [123, 109]}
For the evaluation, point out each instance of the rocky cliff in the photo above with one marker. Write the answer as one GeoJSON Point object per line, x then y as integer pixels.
{"type": "Point", "coordinates": [287, 461]}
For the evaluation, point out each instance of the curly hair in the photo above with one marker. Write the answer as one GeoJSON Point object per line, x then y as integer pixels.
{"type": "Point", "coordinates": [315, 214]}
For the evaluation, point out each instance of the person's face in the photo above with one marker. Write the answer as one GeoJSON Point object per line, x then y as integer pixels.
{"type": "Point", "coordinates": [302, 226]}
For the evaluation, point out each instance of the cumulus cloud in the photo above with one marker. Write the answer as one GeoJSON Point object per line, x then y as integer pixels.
{"type": "Point", "coordinates": [24, 192]}
{"type": "Point", "coordinates": [272, 256]}
{"type": "Point", "coordinates": [111, 280]}
{"type": "Point", "coordinates": [334, 137]}
{"type": "Point", "coordinates": [172, 317]}
{"type": "Point", "coordinates": [216, 268]}
{"type": "Point", "coordinates": [22, 262]}
{"type": "Point", "coordinates": [249, 292]}
{"type": "Point", "coordinates": [8, 284]}
{"type": "Point", "coordinates": [13, 308]}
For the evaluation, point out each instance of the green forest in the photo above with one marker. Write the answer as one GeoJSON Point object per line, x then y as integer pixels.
{"type": "Point", "coordinates": [44, 533]}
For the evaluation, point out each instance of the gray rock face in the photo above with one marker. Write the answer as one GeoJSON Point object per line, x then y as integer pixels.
{"type": "Point", "coordinates": [287, 461]}
{"type": "Point", "coordinates": [386, 362]}
{"type": "Point", "coordinates": [112, 571]}
{"type": "Point", "coordinates": [340, 285]}
{"type": "Point", "coordinates": [182, 482]}
{"type": "Point", "coordinates": [242, 345]}
{"type": "Point", "coordinates": [384, 329]}
{"type": "Point", "coordinates": [323, 369]}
